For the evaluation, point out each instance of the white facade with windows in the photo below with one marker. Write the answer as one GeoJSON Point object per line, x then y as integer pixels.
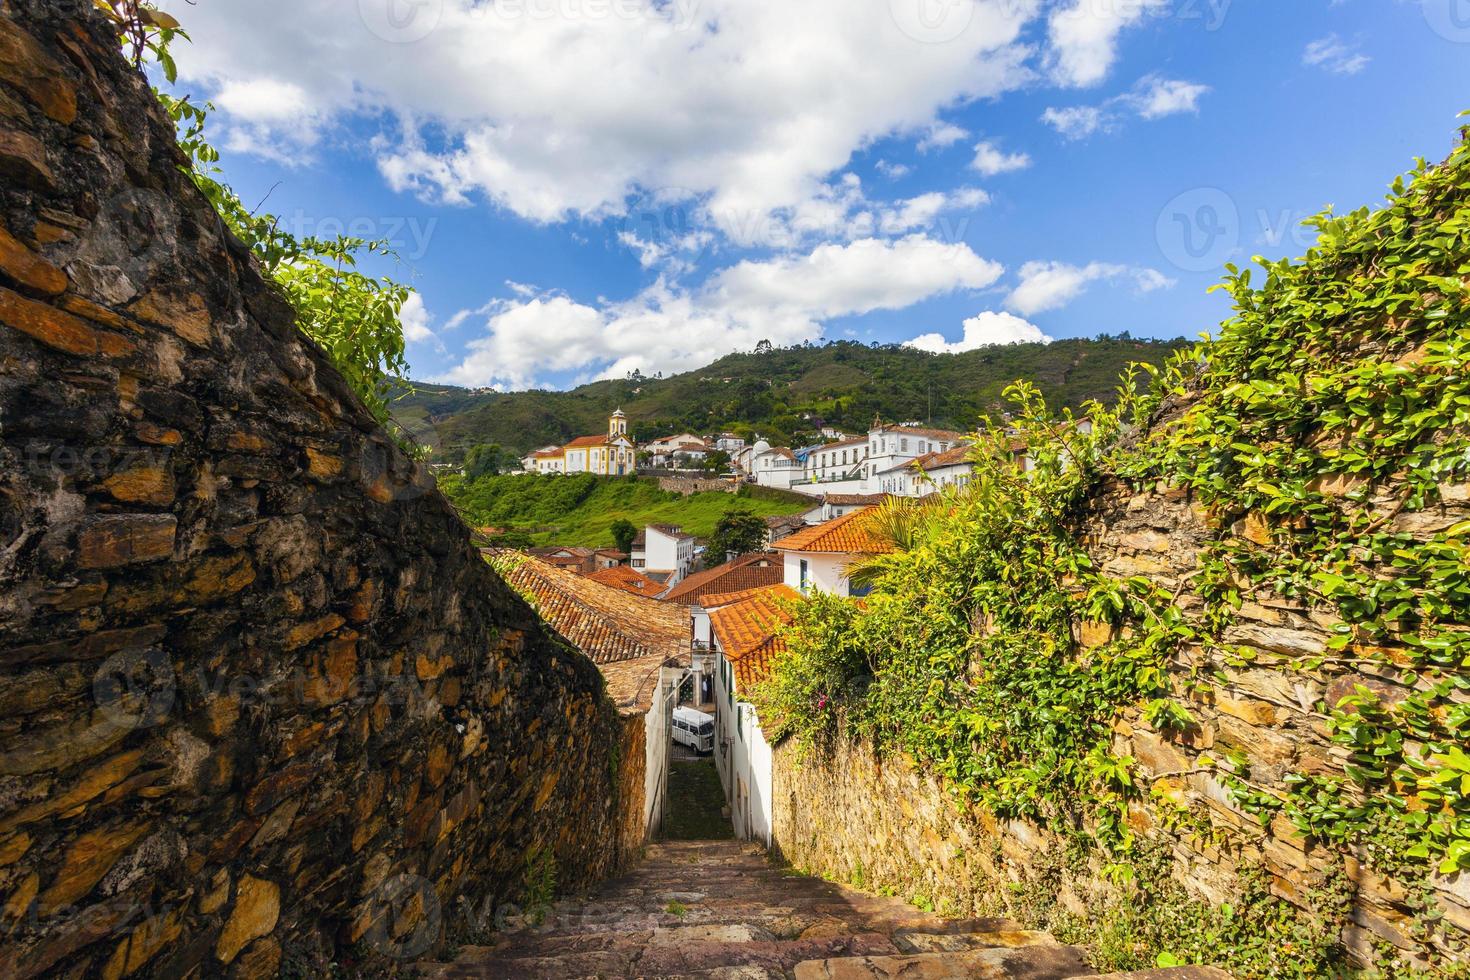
{"type": "Point", "coordinates": [743, 757]}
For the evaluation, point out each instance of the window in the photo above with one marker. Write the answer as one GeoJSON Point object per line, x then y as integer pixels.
{"type": "Point", "coordinates": [923, 446]}
{"type": "Point", "coordinates": [903, 445]}
{"type": "Point", "coordinates": [805, 575]}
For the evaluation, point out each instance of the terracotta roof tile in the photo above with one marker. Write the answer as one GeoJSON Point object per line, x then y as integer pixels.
{"type": "Point", "coordinates": [843, 535]}
{"type": "Point", "coordinates": [745, 572]}
{"type": "Point", "coordinates": [747, 625]}
{"type": "Point", "coordinates": [627, 579]}
{"type": "Point", "coordinates": [582, 442]}
{"type": "Point", "coordinates": [605, 623]}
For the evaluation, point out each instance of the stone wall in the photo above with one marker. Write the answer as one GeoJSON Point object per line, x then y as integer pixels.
{"type": "Point", "coordinates": [686, 485]}
{"type": "Point", "coordinates": [854, 816]}
{"type": "Point", "coordinates": [261, 702]}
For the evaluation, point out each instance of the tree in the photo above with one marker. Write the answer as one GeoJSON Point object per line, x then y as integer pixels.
{"type": "Point", "coordinates": [715, 462]}
{"type": "Point", "coordinates": [623, 533]}
{"type": "Point", "coordinates": [489, 460]}
{"type": "Point", "coordinates": [737, 533]}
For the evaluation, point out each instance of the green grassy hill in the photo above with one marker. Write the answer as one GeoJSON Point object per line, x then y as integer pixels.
{"type": "Point", "coordinates": [778, 393]}
{"type": "Point", "coordinates": [580, 509]}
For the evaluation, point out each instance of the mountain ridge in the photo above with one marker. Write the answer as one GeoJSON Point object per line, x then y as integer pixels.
{"type": "Point", "coordinates": [780, 393]}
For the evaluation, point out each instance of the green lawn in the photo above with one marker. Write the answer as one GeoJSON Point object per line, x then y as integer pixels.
{"type": "Point", "coordinates": [581, 509]}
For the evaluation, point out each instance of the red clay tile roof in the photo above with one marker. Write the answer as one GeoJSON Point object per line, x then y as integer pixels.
{"type": "Point", "coordinates": [943, 435]}
{"type": "Point", "coordinates": [605, 623]}
{"type": "Point", "coordinates": [632, 683]}
{"type": "Point", "coordinates": [585, 441]}
{"type": "Point", "coordinates": [950, 457]}
{"type": "Point", "coordinates": [747, 626]}
{"type": "Point", "coordinates": [627, 579]}
{"type": "Point", "coordinates": [843, 535]}
{"type": "Point", "coordinates": [741, 573]}
{"type": "Point", "coordinates": [547, 453]}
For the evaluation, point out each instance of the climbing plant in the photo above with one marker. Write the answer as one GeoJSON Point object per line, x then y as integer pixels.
{"type": "Point", "coordinates": [351, 315]}
{"type": "Point", "coordinates": [1318, 431]}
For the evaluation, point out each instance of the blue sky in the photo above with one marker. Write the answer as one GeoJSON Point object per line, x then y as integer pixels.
{"type": "Point", "coordinates": [580, 188]}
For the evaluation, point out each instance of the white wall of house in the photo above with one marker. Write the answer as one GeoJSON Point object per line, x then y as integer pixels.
{"type": "Point", "coordinates": [837, 461]}
{"type": "Point", "coordinates": [807, 570]}
{"type": "Point", "coordinates": [668, 552]}
{"type": "Point", "coordinates": [743, 757]}
{"type": "Point", "coordinates": [656, 751]}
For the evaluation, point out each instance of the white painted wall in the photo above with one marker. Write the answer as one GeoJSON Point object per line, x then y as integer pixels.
{"type": "Point", "coordinates": [743, 757]}
{"type": "Point", "coordinates": [666, 552]}
{"type": "Point", "coordinates": [656, 751]}
{"type": "Point", "coordinates": [827, 572]}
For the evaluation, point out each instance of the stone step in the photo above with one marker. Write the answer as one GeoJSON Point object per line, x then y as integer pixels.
{"type": "Point", "coordinates": [1167, 973]}
{"type": "Point", "coordinates": [1040, 962]}
{"type": "Point", "coordinates": [928, 942]}
{"type": "Point", "coordinates": [685, 951]}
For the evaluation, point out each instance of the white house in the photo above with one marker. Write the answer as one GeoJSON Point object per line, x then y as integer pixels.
{"type": "Point", "coordinates": [663, 552]}
{"type": "Point", "coordinates": [951, 468]}
{"type": "Point", "coordinates": [819, 556]}
{"type": "Point", "coordinates": [774, 466]}
{"type": "Point", "coordinates": [746, 627]}
{"type": "Point", "coordinates": [837, 461]}
{"type": "Point", "coordinates": [729, 442]}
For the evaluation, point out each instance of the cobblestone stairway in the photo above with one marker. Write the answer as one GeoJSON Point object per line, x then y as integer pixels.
{"type": "Point", "coordinates": [719, 909]}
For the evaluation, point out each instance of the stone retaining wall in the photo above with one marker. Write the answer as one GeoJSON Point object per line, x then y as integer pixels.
{"type": "Point", "coordinates": [261, 702]}
{"type": "Point", "coordinates": [854, 815]}
{"type": "Point", "coordinates": [686, 485]}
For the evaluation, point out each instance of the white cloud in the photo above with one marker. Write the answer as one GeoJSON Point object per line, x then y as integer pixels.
{"type": "Point", "coordinates": [1156, 97]}
{"type": "Point", "coordinates": [1050, 285]}
{"type": "Point", "coordinates": [1332, 54]}
{"type": "Point", "coordinates": [893, 171]}
{"type": "Point", "coordinates": [1076, 122]}
{"type": "Point", "coordinates": [983, 330]}
{"type": "Point", "coordinates": [784, 300]}
{"type": "Point", "coordinates": [415, 319]}
{"type": "Point", "coordinates": [551, 117]}
{"type": "Point", "coordinates": [990, 160]}
{"type": "Point", "coordinates": [1084, 36]}
{"type": "Point", "coordinates": [938, 135]}
{"type": "Point", "coordinates": [1151, 97]}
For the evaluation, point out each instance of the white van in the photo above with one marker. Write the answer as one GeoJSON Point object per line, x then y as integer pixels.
{"type": "Point", "coordinates": [694, 729]}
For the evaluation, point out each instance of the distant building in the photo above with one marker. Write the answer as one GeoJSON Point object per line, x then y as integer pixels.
{"type": "Point", "coordinates": [778, 527]}
{"type": "Point", "coordinates": [818, 557]}
{"type": "Point", "coordinates": [663, 552]}
{"type": "Point", "coordinates": [609, 455]}
{"type": "Point", "coordinates": [729, 442]}
{"type": "Point", "coordinates": [835, 505]}
{"type": "Point", "coordinates": [773, 466]}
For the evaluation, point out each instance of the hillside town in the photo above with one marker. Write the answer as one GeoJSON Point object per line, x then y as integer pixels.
{"type": "Point", "coordinates": [903, 459]}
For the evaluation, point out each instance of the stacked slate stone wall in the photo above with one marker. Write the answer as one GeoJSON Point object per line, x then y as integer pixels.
{"type": "Point", "coordinates": [262, 705]}
{"type": "Point", "coordinates": [881, 821]}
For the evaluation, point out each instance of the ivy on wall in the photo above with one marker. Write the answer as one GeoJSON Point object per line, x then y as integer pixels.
{"type": "Point", "coordinates": [1320, 430]}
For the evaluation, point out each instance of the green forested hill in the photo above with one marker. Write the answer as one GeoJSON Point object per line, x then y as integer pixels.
{"type": "Point", "coordinates": [778, 393]}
